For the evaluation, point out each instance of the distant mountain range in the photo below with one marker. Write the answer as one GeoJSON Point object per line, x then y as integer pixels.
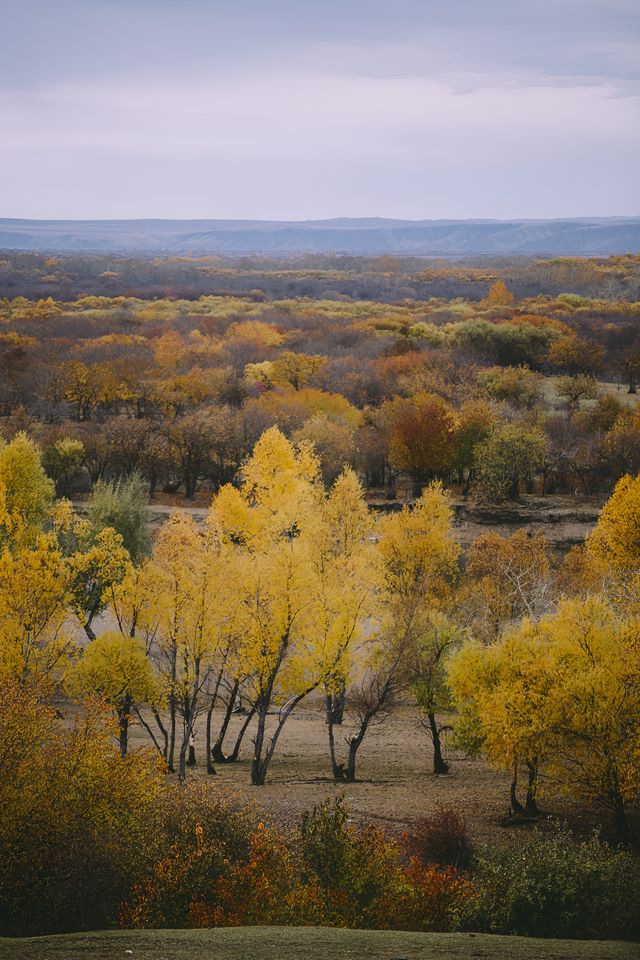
{"type": "Point", "coordinates": [583, 236]}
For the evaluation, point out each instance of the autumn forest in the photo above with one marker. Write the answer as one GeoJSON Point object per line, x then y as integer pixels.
{"type": "Point", "coordinates": [277, 538]}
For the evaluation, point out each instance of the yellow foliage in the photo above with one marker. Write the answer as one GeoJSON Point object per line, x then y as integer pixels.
{"type": "Point", "coordinates": [561, 694]}
{"type": "Point", "coordinates": [34, 593]}
{"type": "Point", "coordinates": [26, 493]}
{"type": "Point", "coordinates": [616, 538]}
{"type": "Point", "coordinates": [115, 668]}
{"type": "Point", "coordinates": [418, 551]}
{"type": "Point", "coordinates": [614, 544]}
{"type": "Point", "coordinates": [257, 331]}
{"type": "Point", "coordinates": [135, 601]}
{"type": "Point", "coordinates": [95, 568]}
{"type": "Point", "coordinates": [279, 488]}
{"type": "Point", "coordinates": [340, 582]}
{"type": "Point", "coordinates": [498, 295]}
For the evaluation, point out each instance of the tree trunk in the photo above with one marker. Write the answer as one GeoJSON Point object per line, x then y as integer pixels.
{"type": "Point", "coordinates": [171, 746]}
{"type": "Point", "coordinates": [356, 741]}
{"type": "Point", "coordinates": [214, 699]}
{"type": "Point", "coordinates": [217, 752]}
{"type": "Point", "coordinates": [211, 770]}
{"type": "Point", "coordinates": [516, 807]}
{"type": "Point", "coordinates": [233, 756]}
{"type": "Point", "coordinates": [172, 709]}
{"type": "Point", "coordinates": [258, 774]}
{"type": "Point", "coordinates": [261, 757]}
{"type": "Point", "coordinates": [182, 761]}
{"type": "Point", "coordinates": [354, 746]}
{"type": "Point", "coordinates": [337, 769]}
{"type": "Point", "coordinates": [123, 725]}
{"type": "Point", "coordinates": [621, 824]}
{"type": "Point", "coordinates": [188, 746]}
{"type": "Point", "coordinates": [187, 757]}
{"type": "Point", "coordinates": [530, 805]}
{"type": "Point", "coordinates": [162, 750]}
{"type": "Point", "coordinates": [439, 763]}
{"type": "Point", "coordinates": [334, 705]}
{"type": "Point", "coordinates": [186, 742]}
{"type": "Point", "coordinates": [91, 615]}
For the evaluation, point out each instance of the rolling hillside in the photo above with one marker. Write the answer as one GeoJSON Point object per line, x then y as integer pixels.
{"type": "Point", "coordinates": [595, 236]}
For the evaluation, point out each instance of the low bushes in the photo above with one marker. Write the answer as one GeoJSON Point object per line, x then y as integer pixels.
{"type": "Point", "coordinates": [440, 839]}
{"type": "Point", "coordinates": [89, 838]}
{"type": "Point", "coordinates": [329, 873]}
{"type": "Point", "coordinates": [78, 823]}
{"type": "Point", "coordinates": [81, 826]}
{"type": "Point", "coordinates": [333, 873]}
{"type": "Point", "coordinates": [201, 883]}
{"type": "Point", "coordinates": [556, 886]}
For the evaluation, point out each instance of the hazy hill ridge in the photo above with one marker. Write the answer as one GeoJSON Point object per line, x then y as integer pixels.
{"type": "Point", "coordinates": [584, 236]}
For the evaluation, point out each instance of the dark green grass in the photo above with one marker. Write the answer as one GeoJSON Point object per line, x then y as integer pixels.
{"type": "Point", "coordinates": [305, 943]}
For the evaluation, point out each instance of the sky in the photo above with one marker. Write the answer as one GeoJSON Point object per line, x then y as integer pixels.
{"type": "Point", "coordinates": [305, 109]}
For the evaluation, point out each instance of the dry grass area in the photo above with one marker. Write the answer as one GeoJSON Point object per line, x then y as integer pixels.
{"type": "Point", "coordinates": [305, 943]}
{"type": "Point", "coordinates": [605, 387]}
{"type": "Point", "coordinates": [395, 784]}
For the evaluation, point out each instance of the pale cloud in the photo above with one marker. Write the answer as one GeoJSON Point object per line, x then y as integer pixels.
{"type": "Point", "coordinates": [187, 110]}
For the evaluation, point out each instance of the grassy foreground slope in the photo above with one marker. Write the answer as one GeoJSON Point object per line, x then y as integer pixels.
{"type": "Point", "coordinates": [305, 943]}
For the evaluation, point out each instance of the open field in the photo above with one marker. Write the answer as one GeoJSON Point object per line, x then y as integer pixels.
{"type": "Point", "coordinates": [310, 943]}
{"type": "Point", "coordinates": [395, 783]}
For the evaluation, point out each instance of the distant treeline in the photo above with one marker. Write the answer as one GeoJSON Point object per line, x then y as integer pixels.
{"type": "Point", "coordinates": [380, 278]}
{"type": "Point", "coordinates": [502, 395]}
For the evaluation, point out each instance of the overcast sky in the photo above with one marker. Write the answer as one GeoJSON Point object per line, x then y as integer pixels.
{"type": "Point", "coordinates": [296, 109]}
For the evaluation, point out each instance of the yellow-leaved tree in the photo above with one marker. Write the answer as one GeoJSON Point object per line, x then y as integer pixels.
{"type": "Point", "coordinates": [596, 706]}
{"type": "Point", "coordinates": [34, 593]}
{"type": "Point", "coordinates": [26, 493]}
{"type": "Point", "coordinates": [50, 565]}
{"type": "Point", "coordinates": [267, 521]}
{"type": "Point", "coordinates": [183, 626]}
{"type": "Point", "coordinates": [34, 577]}
{"type": "Point", "coordinates": [340, 594]}
{"type": "Point", "coordinates": [499, 693]}
{"type": "Point", "coordinates": [116, 668]}
{"type": "Point", "coordinates": [560, 696]}
{"type": "Point", "coordinates": [97, 562]}
{"type": "Point", "coordinates": [300, 588]}
{"type": "Point", "coordinates": [614, 544]}
{"type": "Point", "coordinates": [413, 569]}
{"type": "Point", "coordinates": [418, 568]}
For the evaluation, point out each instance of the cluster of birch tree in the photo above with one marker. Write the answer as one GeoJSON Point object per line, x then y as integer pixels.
{"type": "Point", "coordinates": [289, 588]}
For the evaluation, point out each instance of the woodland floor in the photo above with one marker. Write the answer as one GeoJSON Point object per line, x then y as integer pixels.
{"type": "Point", "coordinates": [395, 784]}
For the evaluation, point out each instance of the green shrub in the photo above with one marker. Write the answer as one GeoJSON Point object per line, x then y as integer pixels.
{"type": "Point", "coordinates": [556, 886]}
{"type": "Point", "coordinates": [123, 505]}
{"type": "Point", "coordinates": [357, 868]}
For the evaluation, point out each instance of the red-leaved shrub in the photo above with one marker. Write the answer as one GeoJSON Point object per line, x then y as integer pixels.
{"type": "Point", "coordinates": [441, 839]}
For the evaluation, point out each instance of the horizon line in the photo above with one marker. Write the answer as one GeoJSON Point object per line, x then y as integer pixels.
{"type": "Point", "coordinates": [335, 219]}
